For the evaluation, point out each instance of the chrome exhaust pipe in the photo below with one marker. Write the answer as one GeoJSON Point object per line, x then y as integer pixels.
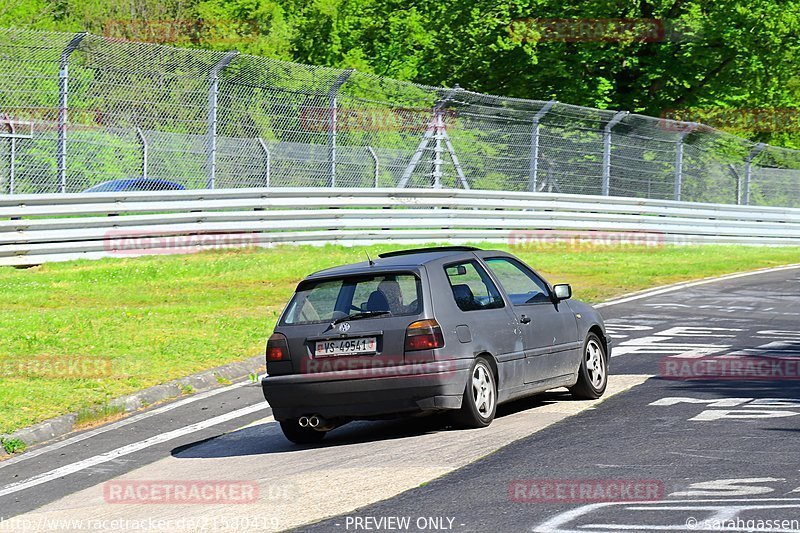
{"type": "Point", "coordinates": [303, 421]}
{"type": "Point", "coordinates": [321, 424]}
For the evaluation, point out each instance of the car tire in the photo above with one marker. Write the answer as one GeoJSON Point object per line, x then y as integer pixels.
{"type": "Point", "coordinates": [479, 403]}
{"type": "Point", "coordinates": [300, 435]}
{"type": "Point", "coordinates": [593, 372]}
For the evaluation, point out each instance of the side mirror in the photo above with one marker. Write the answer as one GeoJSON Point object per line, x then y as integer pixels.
{"type": "Point", "coordinates": [562, 292]}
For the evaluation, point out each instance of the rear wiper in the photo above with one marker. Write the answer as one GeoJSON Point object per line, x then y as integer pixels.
{"type": "Point", "coordinates": [363, 314]}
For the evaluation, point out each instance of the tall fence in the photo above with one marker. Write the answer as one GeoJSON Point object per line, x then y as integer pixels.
{"type": "Point", "coordinates": [77, 110]}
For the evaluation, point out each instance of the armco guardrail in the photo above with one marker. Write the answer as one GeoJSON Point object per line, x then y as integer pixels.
{"type": "Point", "coordinates": [39, 228]}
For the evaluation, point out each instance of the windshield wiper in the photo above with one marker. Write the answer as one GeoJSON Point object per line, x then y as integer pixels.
{"type": "Point", "coordinates": [363, 314]}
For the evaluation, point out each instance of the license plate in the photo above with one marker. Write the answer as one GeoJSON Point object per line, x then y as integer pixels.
{"type": "Point", "coordinates": [364, 345]}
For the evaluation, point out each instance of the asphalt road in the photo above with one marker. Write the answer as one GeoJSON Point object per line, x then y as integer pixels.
{"type": "Point", "coordinates": [699, 450]}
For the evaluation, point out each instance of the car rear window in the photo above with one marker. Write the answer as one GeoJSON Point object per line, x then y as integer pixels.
{"type": "Point", "coordinates": [331, 299]}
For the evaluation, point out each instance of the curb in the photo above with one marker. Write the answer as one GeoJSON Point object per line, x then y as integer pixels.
{"type": "Point", "coordinates": [206, 380]}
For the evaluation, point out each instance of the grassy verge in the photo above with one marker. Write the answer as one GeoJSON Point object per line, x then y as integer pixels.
{"type": "Point", "coordinates": [77, 334]}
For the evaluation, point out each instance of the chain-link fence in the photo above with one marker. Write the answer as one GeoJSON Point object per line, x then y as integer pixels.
{"type": "Point", "coordinates": [77, 110]}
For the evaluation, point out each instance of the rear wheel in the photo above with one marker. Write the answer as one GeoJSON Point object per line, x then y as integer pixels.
{"type": "Point", "coordinates": [479, 404]}
{"type": "Point", "coordinates": [300, 435]}
{"type": "Point", "coordinates": [593, 372]}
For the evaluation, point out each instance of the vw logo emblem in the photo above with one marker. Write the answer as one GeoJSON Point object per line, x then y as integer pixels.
{"type": "Point", "coordinates": [344, 327]}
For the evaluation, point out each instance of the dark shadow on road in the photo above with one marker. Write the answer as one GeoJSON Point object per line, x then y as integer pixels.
{"type": "Point", "coordinates": [268, 438]}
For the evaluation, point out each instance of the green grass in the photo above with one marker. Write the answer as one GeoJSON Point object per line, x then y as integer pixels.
{"type": "Point", "coordinates": [153, 319]}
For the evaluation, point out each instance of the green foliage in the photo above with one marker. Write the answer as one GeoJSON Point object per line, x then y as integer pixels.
{"type": "Point", "coordinates": [13, 445]}
{"type": "Point", "coordinates": [712, 54]}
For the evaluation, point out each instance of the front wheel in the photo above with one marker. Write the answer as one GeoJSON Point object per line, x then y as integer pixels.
{"type": "Point", "coordinates": [479, 404]}
{"type": "Point", "coordinates": [593, 372]}
{"type": "Point", "coordinates": [300, 435]}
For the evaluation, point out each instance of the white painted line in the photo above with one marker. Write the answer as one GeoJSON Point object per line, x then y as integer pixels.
{"type": "Point", "coordinates": [684, 285]}
{"type": "Point", "coordinates": [127, 450]}
{"type": "Point", "coordinates": [116, 425]}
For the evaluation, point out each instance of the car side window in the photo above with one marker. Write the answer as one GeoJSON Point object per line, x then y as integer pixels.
{"type": "Point", "coordinates": [472, 287]}
{"type": "Point", "coordinates": [521, 285]}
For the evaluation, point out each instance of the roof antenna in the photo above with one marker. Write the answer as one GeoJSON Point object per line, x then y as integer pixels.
{"type": "Point", "coordinates": [371, 262]}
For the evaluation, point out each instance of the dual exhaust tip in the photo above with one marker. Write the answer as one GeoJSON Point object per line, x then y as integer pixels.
{"type": "Point", "coordinates": [315, 422]}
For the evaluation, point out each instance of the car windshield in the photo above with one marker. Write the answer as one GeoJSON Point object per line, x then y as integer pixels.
{"type": "Point", "coordinates": [357, 296]}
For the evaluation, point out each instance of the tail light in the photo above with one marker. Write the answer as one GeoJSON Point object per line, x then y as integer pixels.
{"type": "Point", "coordinates": [424, 335]}
{"type": "Point", "coordinates": [277, 348]}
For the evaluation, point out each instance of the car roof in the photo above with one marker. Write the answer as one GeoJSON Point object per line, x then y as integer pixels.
{"type": "Point", "coordinates": [410, 259]}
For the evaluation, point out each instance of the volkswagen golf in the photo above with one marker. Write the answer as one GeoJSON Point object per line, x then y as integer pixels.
{"type": "Point", "coordinates": [453, 328]}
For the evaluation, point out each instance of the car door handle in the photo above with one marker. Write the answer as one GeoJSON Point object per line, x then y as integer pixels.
{"type": "Point", "coordinates": [524, 319]}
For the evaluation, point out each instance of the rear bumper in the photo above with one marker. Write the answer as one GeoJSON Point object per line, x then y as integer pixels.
{"type": "Point", "coordinates": [369, 392]}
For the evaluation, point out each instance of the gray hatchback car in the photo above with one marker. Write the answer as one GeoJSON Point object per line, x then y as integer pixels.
{"type": "Point", "coordinates": [427, 330]}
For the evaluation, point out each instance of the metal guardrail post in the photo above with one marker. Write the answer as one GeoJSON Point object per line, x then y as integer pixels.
{"type": "Point", "coordinates": [268, 156]}
{"type": "Point", "coordinates": [63, 92]}
{"type": "Point", "coordinates": [606, 185]}
{"type": "Point", "coordinates": [332, 129]}
{"type": "Point", "coordinates": [748, 170]}
{"type": "Point", "coordinates": [213, 94]}
{"type": "Point", "coordinates": [143, 142]}
{"type": "Point", "coordinates": [533, 176]}
{"type": "Point", "coordinates": [375, 161]}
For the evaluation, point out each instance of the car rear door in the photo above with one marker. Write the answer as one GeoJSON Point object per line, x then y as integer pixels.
{"type": "Point", "coordinates": [549, 330]}
{"type": "Point", "coordinates": [354, 323]}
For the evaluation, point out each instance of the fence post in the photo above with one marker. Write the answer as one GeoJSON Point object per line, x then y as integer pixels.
{"type": "Point", "coordinates": [143, 142]}
{"type": "Point", "coordinates": [533, 176]}
{"type": "Point", "coordinates": [268, 156]}
{"type": "Point", "coordinates": [687, 128]}
{"type": "Point", "coordinates": [12, 154]}
{"type": "Point", "coordinates": [748, 168]}
{"type": "Point", "coordinates": [213, 93]}
{"type": "Point", "coordinates": [63, 80]}
{"type": "Point", "coordinates": [332, 112]}
{"type": "Point", "coordinates": [375, 161]}
{"type": "Point", "coordinates": [607, 151]}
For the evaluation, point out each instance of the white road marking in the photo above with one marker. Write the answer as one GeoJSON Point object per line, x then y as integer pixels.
{"type": "Point", "coordinates": [127, 450]}
{"type": "Point", "coordinates": [568, 522]}
{"type": "Point", "coordinates": [681, 286]}
{"type": "Point", "coordinates": [728, 487]}
{"type": "Point", "coordinates": [116, 425]}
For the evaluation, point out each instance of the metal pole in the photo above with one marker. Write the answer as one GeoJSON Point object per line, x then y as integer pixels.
{"type": "Point", "coordinates": [63, 78]}
{"type": "Point", "coordinates": [607, 151]}
{"type": "Point", "coordinates": [679, 159]}
{"type": "Point", "coordinates": [426, 137]}
{"type": "Point", "coordinates": [332, 115]}
{"type": "Point", "coordinates": [374, 160]}
{"type": "Point", "coordinates": [12, 155]}
{"type": "Point", "coordinates": [213, 94]}
{"type": "Point", "coordinates": [533, 176]}
{"type": "Point", "coordinates": [268, 155]}
{"type": "Point", "coordinates": [757, 149]}
{"type": "Point", "coordinates": [143, 142]}
{"type": "Point", "coordinates": [437, 151]}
